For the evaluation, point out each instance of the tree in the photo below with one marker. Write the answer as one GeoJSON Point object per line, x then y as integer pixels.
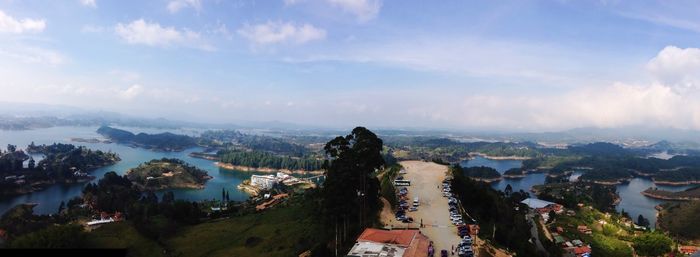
{"type": "Point", "coordinates": [641, 221]}
{"type": "Point", "coordinates": [64, 236]}
{"type": "Point", "coordinates": [552, 215]}
{"type": "Point", "coordinates": [351, 189]}
{"type": "Point", "coordinates": [508, 190]}
{"type": "Point", "coordinates": [61, 207]}
{"type": "Point", "coordinates": [652, 244]}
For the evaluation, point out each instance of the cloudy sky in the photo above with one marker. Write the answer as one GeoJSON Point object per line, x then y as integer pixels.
{"type": "Point", "coordinates": [476, 65]}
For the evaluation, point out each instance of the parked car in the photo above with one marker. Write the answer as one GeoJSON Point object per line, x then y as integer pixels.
{"type": "Point", "coordinates": [443, 253]}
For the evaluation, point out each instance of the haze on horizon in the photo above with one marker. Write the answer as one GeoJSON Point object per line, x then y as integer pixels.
{"type": "Point", "coordinates": [480, 65]}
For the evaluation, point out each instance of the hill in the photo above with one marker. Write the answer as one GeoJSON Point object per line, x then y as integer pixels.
{"type": "Point", "coordinates": [166, 174]}
{"type": "Point", "coordinates": [163, 141]}
{"type": "Point", "coordinates": [681, 220]}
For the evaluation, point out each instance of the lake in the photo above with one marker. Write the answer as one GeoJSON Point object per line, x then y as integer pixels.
{"type": "Point", "coordinates": [50, 198]}
{"type": "Point", "coordinates": [631, 199]}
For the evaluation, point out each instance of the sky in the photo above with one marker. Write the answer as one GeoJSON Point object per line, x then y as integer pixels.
{"type": "Point", "coordinates": [468, 65]}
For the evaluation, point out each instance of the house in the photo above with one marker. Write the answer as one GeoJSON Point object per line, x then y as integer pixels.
{"type": "Point", "coordinates": [582, 251]}
{"type": "Point", "coordinates": [263, 181]}
{"type": "Point", "coordinates": [584, 229]}
{"type": "Point", "coordinates": [688, 249]}
{"type": "Point", "coordinates": [390, 243]}
{"type": "Point", "coordinates": [577, 242]}
{"type": "Point", "coordinates": [543, 207]}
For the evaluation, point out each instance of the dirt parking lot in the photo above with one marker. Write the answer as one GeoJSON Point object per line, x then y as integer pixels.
{"type": "Point", "coordinates": [426, 184]}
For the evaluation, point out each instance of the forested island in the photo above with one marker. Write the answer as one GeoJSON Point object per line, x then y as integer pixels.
{"type": "Point", "coordinates": [167, 174]}
{"type": "Point", "coordinates": [62, 163]}
{"type": "Point", "coordinates": [236, 159]}
{"type": "Point", "coordinates": [514, 173]}
{"type": "Point", "coordinates": [162, 142]}
{"type": "Point", "coordinates": [480, 173]}
{"type": "Point", "coordinates": [685, 195]}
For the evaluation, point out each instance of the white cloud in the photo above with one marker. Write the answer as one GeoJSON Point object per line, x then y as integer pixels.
{"type": "Point", "coordinates": [175, 6]}
{"type": "Point", "coordinates": [677, 67]}
{"type": "Point", "coordinates": [91, 29]}
{"type": "Point", "coordinates": [292, 2]}
{"type": "Point", "coordinates": [33, 55]}
{"type": "Point", "coordinates": [365, 10]}
{"type": "Point", "coordinates": [9, 24]}
{"type": "Point", "coordinates": [131, 92]}
{"type": "Point", "coordinates": [281, 32]}
{"type": "Point", "coordinates": [89, 3]}
{"type": "Point", "coordinates": [153, 34]}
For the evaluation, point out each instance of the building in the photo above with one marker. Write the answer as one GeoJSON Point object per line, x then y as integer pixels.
{"type": "Point", "coordinates": [584, 229]}
{"type": "Point", "coordinates": [543, 207]}
{"type": "Point", "coordinates": [390, 243]}
{"type": "Point", "coordinates": [263, 181]}
{"type": "Point", "coordinates": [687, 249]}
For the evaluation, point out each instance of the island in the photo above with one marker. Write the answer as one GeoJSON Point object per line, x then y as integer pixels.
{"type": "Point", "coordinates": [167, 174]}
{"type": "Point", "coordinates": [252, 160]}
{"type": "Point", "coordinates": [686, 195]}
{"type": "Point", "coordinates": [61, 163]}
{"type": "Point", "coordinates": [162, 142]}
{"type": "Point", "coordinates": [514, 173]}
{"type": "Point", "coordinates": [481, 173]}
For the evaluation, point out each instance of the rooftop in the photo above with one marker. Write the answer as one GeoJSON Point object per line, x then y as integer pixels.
{"type": "Point", "coordinates": [535, 203]}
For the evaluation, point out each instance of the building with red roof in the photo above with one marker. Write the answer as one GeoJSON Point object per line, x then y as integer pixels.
{"type": "Point", "coordinates": [390, 243]}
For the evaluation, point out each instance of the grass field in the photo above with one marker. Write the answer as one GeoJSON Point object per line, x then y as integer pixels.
{"type": "Point", "coordinates": [285, 231]}
{"type": "Point", "coordinates": [123, 235]}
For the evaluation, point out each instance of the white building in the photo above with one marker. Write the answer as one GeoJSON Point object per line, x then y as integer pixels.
{"type": "Point", "coordinates": [264, 181]}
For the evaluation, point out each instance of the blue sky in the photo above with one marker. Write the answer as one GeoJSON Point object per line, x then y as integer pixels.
{"type": "Point", "coordinates": [474, 65]}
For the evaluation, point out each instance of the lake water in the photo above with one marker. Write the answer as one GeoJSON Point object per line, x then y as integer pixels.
{"type": "Point", "coordinates": [501, 166]}
{"type": "Point", "coordinates": [50, 198]}
{"type": "Point", "coordinates": [631, 199]}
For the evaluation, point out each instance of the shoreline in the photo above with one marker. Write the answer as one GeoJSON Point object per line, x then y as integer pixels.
{"type": "Point", "coordinates": [676, 183]}
{"type": "Point", "coordinates": [487, 180]}
{"type": "Point", "coordinates": [486, 156]}
{"type": "Point", "coordinates": [229, 166]}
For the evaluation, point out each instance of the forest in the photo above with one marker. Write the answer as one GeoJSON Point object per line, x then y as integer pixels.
{"type": "Point", "coordinates": [258, 159]}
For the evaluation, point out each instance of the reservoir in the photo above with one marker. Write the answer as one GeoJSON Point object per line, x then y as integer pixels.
{"type": "Point", "coordinates": [632, 201]}
{"type": "Point", "coordinates": [50, 198]}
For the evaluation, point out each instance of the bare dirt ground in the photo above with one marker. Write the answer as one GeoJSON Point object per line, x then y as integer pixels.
{"type": "Point", "coordinates": [426, 182]}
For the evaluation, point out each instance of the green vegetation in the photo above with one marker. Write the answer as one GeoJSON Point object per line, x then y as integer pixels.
{"type": "Point", "coordinates": [61, 236]}
{"type": "Point", "coordinates": [167, 173]}
{"type": "Point", "coordinates": [514, 172]}
{"type": "Point", "coordinates": [688, 194]}
{"type": "Point", "coordinates": [570, 194]}
{"type": "Point", "coordinates": [123, 235]}
{"type": "Point", "coordinates": [285, 231]}
{"type": "Point", "coordinates": [602, 245]}
{"type": "Point", "coordinates": [228, 138]}
{"type": "Point", "coordinates": [652, 244]}
{"type": "Point", "coordinates": [163, 141]}
{"type": "Point", "coordinates": [433, 148]}
{"type": "Point", "coordinates": [480, 172]}
{"type": "Point", "coordinates": [257, 159]}
{"type": "Point", "coordinates": [681, 219]}
{"type": "Point", "coordinates": [387, 184]}
{"type": "Point", "coordinates": [493, 210]}
{"type": "Point", "coordinates": [62, 163]}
